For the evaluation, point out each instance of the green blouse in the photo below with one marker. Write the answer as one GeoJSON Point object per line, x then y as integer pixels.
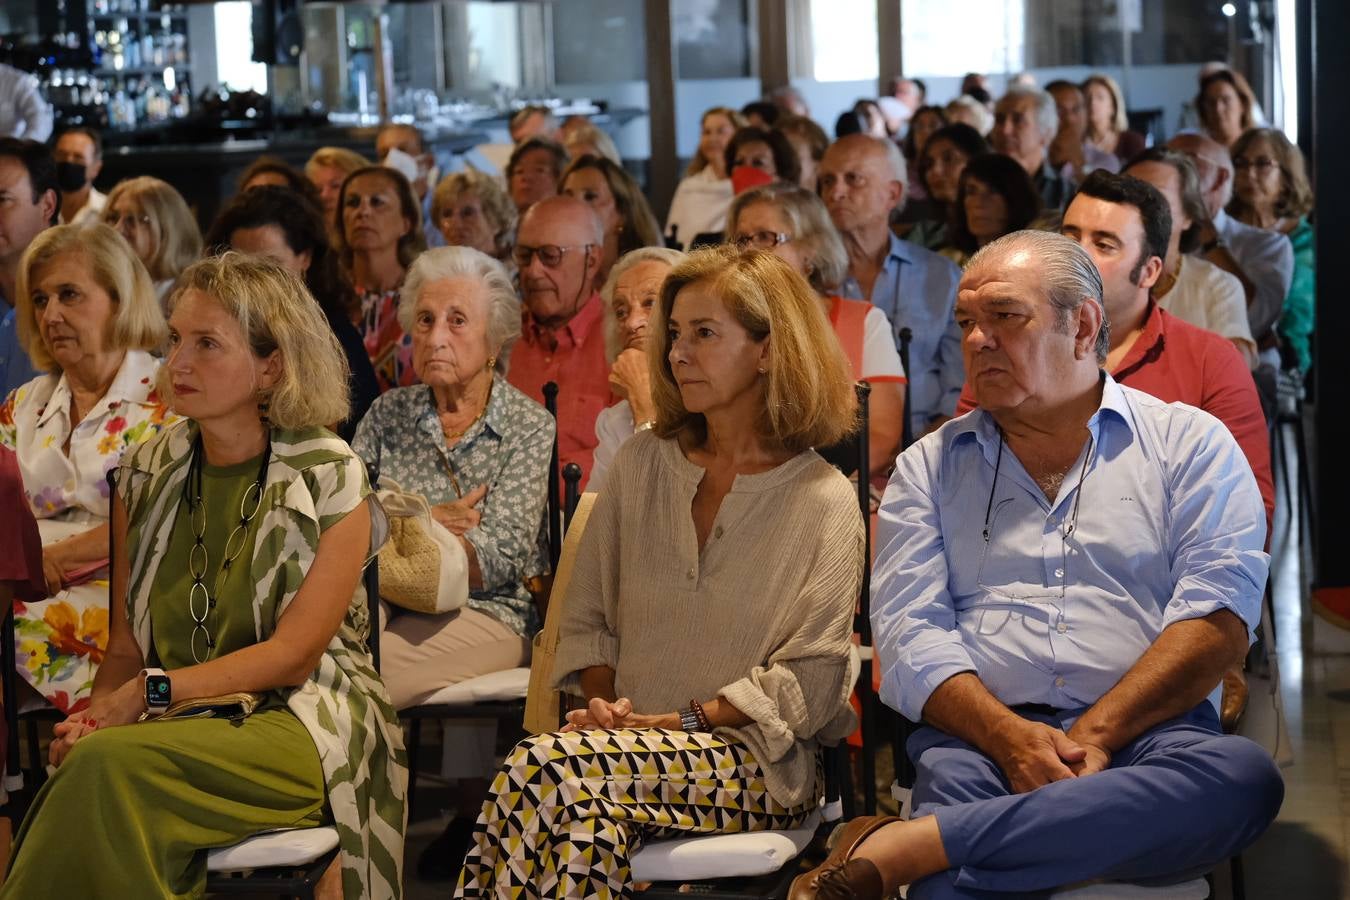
{"type": "Point", "coordinates": [230, 622]}
{"type": "Point", "coordinates": [1296, 322]}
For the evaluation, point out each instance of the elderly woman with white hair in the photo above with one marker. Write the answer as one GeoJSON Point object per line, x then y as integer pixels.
{"type": "Point", "coordinates": [630, 294]}
{"type": "Point", "coordinates": [478, 450]}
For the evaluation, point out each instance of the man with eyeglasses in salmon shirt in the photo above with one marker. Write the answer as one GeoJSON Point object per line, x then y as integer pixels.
{"type": "Point", "coordinates": [1064, 575]}
{"type": "Point", "coordinates": [557, 252]}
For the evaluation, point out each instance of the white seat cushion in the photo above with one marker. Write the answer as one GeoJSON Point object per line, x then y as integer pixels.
{"type": "Point", "coordinates": [291, 847]}
{"type": "Point", "coordinates": [722, 855]}
{"type": "Point", "coordinates": [1117, 890]}
{"type": "Point", "coordinates": [508, 684]}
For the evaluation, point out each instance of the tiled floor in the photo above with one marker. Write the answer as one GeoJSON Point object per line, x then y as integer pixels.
{"type": "Point", "coordinates": [1305, 853]}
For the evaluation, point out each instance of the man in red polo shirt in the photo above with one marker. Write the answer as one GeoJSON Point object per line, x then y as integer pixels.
{"type": "Point", "coordinates": [1125, 224]}
{"type": "Point", "coordinates": [558, 248]}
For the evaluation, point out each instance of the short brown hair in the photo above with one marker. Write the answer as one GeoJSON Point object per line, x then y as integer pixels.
{"type": "Point", "coordinates": [138, 323]}
{"type": "Point", "coordinates": [412, 243]}
{"type": "Point", "coordinates": [1296, 196]}
{"type": "Point", "coordinates": [809, 398]}
{"type": "Point", "coordinates": [178, 240]}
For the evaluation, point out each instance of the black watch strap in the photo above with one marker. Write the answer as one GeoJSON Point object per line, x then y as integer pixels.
{"type": "Point", "coordinates": [689, 720]}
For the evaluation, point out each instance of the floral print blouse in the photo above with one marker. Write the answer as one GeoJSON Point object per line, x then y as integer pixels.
{"type": "Point", "coordinates": [35, 424]}
{"type": "Point", "coordinates": [60, 641]}
{"type": "Point", "coordinates": [508, 450]}
{"type": "Point", "coordinates": [389, 348]}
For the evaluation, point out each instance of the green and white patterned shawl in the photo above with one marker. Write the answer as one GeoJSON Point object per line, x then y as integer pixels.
{"type": "Point", "coordinates": [313, 480]}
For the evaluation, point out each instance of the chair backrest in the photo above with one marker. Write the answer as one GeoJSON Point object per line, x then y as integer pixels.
{"type": "Point", "coordinates": [553, 508]}
{"type": "Point", "coordinates": [907, 427]}
{"type": "Point", "coordinates": [542, 703]}
{"type": "Point", "coordinates": [371, 577]}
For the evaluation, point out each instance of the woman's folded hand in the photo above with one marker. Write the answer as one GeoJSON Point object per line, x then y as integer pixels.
{"type": "Point", "coordinates": [601, 715]}
{"type": "Point", "coordinates": [460, 516]}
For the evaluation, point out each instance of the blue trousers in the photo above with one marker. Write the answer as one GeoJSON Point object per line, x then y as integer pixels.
{"type": "Point", "coordinates": [1176, 801]}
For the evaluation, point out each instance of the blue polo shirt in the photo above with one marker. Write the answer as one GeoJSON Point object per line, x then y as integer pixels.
{"type": "Point", "coordinates": [15, 367]}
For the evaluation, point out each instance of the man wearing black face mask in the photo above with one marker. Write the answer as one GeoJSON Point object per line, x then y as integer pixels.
{"type": "Point", "coordinates": [79, 158]}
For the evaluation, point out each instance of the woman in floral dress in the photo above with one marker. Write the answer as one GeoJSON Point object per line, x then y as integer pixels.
{"type": "Point", "coordinates": [87, 315]}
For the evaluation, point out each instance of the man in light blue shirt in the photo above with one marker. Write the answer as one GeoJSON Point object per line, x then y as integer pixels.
{"type": "Point", "coordinates": [1063, 576]}
{"type": "Point", "coordinates": [862, 179]}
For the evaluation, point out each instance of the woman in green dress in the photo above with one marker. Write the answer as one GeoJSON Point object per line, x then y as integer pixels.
{"type": "Point", "coordinates": [239, 538]}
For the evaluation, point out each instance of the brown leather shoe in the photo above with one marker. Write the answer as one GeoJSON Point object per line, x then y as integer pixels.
{"type": "Point", "coordinates": [1234, 702]}
{"type": "Point", "coordinates": [834, 879]}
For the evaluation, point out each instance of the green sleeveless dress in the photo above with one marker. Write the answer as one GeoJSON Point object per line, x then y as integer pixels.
{"type": "Point", "coordinates": [135, 805]}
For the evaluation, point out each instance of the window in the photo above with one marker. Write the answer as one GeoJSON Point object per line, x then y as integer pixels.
{"type": "Point", "coordinates": [235, 67]}
{"type": "Point", "coordinates": [953, 37]}
{"type": "Point", "coordinates": [844, 40]}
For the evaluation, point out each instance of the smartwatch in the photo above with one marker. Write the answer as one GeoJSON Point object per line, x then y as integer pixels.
{"type": "Point", "coordinates": [158, 693]}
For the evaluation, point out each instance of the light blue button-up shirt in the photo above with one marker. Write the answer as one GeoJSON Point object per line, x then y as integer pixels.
{"type": "Point", "coordinates": [1169, 527]}
{"type": "Point", "coordinates": [15, 367]}
{"type": "Point", "coordinates": [916, 289]}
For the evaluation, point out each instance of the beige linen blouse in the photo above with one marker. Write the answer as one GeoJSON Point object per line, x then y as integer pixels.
{"type": "Point", "coordinates": [762, 617]}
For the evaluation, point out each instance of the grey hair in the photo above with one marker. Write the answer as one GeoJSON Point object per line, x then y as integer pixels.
{"type": "Point", "coordinates": [503, 326]}
{"type": "Point", "coordinates": [811, 226]}
{"type": "Point", "coordinates": [1066, 270]}
{"type": "Point", "coordinates": [1047, 117]}
{"type": "Point", "coordinates": [633, 258]}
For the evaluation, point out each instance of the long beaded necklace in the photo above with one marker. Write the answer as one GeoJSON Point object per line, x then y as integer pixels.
{"type": "Point", "coordinates": [202, 600]}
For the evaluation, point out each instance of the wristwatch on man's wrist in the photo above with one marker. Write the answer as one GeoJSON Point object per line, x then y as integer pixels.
{"type": "Point", "coordinates": [158, 692]}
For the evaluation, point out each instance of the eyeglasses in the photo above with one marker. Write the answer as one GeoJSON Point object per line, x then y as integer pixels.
{"type": "Point", "coordinates": [138, 220]}
{"type": "Point", "coordinates": [551, 255]}
{"type": "Point", "coordinates": [1261, 164]}
{"type": "Point", "coordinates": [760, 240]}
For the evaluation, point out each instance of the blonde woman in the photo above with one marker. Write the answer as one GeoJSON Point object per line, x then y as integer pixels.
{"type": "Point", "coordinates": [730, 649]}
{"type": "Point", "coordinates": [1107, 127]}
{"type": "Point", "coordinates": [793, 224]}
{"type": "Point", "coordinates": [87, 316]}
{"type": "Point", "coordinates": [704, 194]}
{"type": "Point", "coordinates": [156, 221]}
{"type": "Point", "coordinates": [326, 169]}
{"type": "Point", "coordinates": [472, 209]}
{"type": "Point", "coordinates": [586, 139]}
{"type": "Point", "coordinates": [239, 538]}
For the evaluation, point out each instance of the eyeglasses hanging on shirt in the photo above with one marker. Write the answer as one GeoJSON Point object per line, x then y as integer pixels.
{"type": "Point", "coordinates": [1030, 592]}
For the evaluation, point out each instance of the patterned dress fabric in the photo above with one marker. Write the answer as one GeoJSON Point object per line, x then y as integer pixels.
{"type": "Point", "coordinates": [61, 640]}
{"type": "Point", "coordinates": [313, 480]}
{"type": "Point", "coordinates": [214, 782]}
{"type": "Point", "coordinates": [389, 348]}
{"type": "Point", "coordinates": [508, 450]}
{"type": "Point", "coordinates": [568, 811]}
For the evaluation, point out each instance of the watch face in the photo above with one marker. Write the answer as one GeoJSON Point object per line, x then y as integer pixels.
{"type": "Point", "coordinates": [157, 690]}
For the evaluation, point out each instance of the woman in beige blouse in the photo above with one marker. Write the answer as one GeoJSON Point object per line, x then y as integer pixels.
{"type": "Point", "coordinates": [710, 611]}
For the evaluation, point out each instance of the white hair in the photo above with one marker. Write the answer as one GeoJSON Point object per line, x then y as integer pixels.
{"type": "Point", "coordinates": [1047, 117]}
{"type": "Point", "coordinates": [1065, 269]}
{"type": "Point", "coordinates": [672, 258]}
{"type": "Point", "coordinates": [465, 262]}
